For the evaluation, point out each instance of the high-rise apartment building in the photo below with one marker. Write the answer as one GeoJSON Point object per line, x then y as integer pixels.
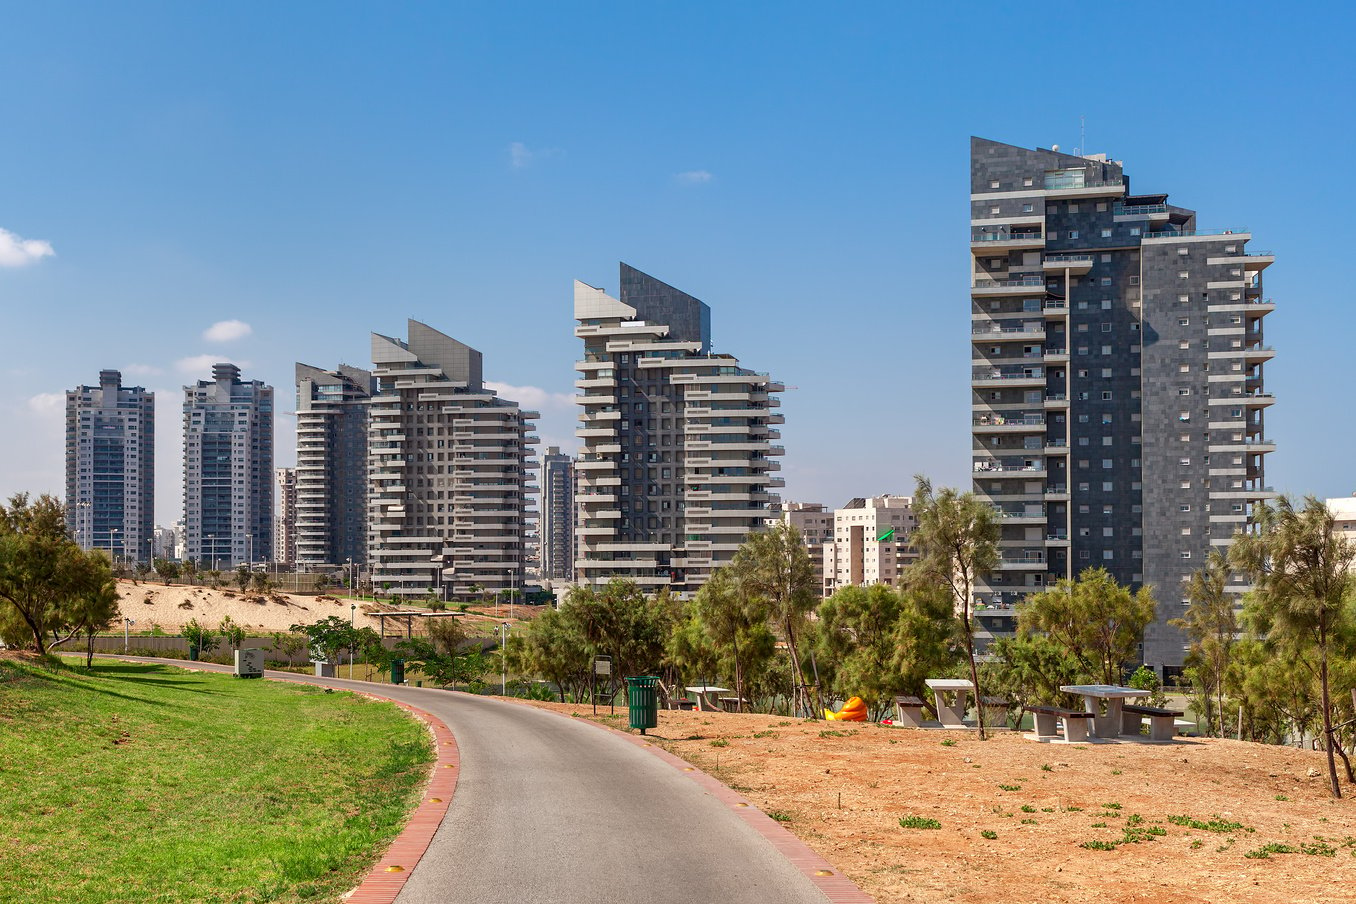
{"type": "Point", "coordinates": [228, 470]}
{"type": "Point", "coordinates": [110, 467]}
{"type": "Point", "coordinates": [285, 519]}
{"type": "Point", "coordinates": [870, 543]}
{"type": "Point", "coordinates": [557, 516]}
{"type": "Point", "coordinates": [1118, 400]}
{"type": "Point", "coordinates": [448, 465]}
{"type": "Point", "coordinates": [677, 459]}
{"type": "Point", "coordinates": [332, 424]}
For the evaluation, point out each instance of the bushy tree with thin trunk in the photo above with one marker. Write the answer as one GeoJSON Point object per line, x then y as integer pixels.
{"type": "Point", "coordinates": [167, 569]}
{"type": "Point", "coordinates": [957, 539]}
{"type": "Point", "coordinates": [726, 630]}
{"type": "Point", "coordinates": [1299, 566]}
{"type": "Point", "coordinates": [1098, 620]}
{"type": "Point", "coordinates": [776, 565]}
{"type": "Point", "coordinates": [1211, 624]}
{"type": "Point", "coordinates": [553, 647]}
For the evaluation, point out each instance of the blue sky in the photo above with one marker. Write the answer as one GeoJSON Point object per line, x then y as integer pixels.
{"type": "Point", "coordinates": [318, 171]}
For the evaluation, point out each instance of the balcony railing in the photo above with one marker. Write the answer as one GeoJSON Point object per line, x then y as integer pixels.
{"type": "Point", "coordinates": [1036, 282]}
{"type": "Point", "coordinates": [1188, 233]}
{"type": "Point", "coordinates": [993, 374]}
{"type": "Point", "coordinates": [1026, 329]}
{"type": "Point", "coordinates": [1135, 210]}
{"type": "Point", "coordinates": [1006, 236]}
{"type": "Point", "coordinates": [997, 420]}
{"type": "Point", "coordinates": [1067, 258]}
{"type": "Point", "coordinates": [1076, 180]}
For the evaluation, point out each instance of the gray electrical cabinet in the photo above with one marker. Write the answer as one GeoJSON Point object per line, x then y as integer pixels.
{"type": "Point", "coordinates": [249, 663]}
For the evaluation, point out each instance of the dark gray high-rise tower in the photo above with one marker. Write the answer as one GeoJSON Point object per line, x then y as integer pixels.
{"type": "Point", "coordinates": [331, 474]}
{"type": "Point", "coordinates": [110, 467]}
{"type": "Point", "coordinates": [557, 516]}
{"type": "Point", "coordinates": [1117, 358]}
{"type": "Point", "coordinates": [228, 470]}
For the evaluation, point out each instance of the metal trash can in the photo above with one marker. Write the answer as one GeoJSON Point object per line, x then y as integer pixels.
{"type": "Point", "coordinates": [642, 701]}
{"type": "Point", "coordinates": [397, 671]}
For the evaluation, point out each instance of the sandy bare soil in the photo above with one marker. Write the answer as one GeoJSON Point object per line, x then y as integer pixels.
{"type": "Point", "coordinates": [844, 792]}
{"type": "Point", "coordinates": [172, 605]}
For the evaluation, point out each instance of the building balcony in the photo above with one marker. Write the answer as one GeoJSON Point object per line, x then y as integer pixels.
{"type": "Point", "coordinates": [1056, 356]}
{"type": "Point", "coordinates": [997, 423]}
{"type": "Point", "coordinates": [986, 470]}
{"type": "Point", "coordinates": [1023, 562]}
{"type": "Point", "coordinates": [993, 331]}
{"type": "Point", "coordinates": [1154, 213]}
{"type": "Point", "coordinates": [1247, 400]}
{"type": "Point", "coordinates": [1056, 400]}
{"type": "Point", "coordinates": [1071, 184]}
{"type": "Point", "coordinates": [996, 378]}
{"type": "Point", "coordinates": [1077, 264]}
{"type": "Point", "coordinates": [1001, 241]}
{"type": "Point", "coordinates": [1056, 492]}
{"type": "Point", "coordinates": [1027, 285]}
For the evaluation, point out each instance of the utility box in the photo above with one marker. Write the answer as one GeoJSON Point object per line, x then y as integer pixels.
{"type": "Point", "coordinates": [323, 669]}
{"type": "Point", "coordinates": [249, 663]}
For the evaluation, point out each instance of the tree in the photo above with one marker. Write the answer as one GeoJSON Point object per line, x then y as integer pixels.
{"type": "Point", "coordinates": [43, 573]}
{"type": "Point", "coordinates": [1099, 621]}
{"type": "Point", "coordinates": [200, 636]}
{"type": "Point", "coordinates": [242, 577]}
{"type": "Point", "coordinates": [957, 539]}
{"type": "Point", "coordinates": [167, 569]}
{"type": "Point", "coordinates": [620, 621]}
{"type": "Point", "coordinates": [260, 583]}
{"type": "Point", "coordinates": [190, 571]}
{"type": "Point", "coordinates": [288, 644]}
{"type": "Point", "coordinates": [726, 629]}
{"type": "Point", "coordinates": [231, 633]}
{"type": "Point", "coordinates": [332, 635]}
{"type": "Point", "coordinates": [1030, 670]}
{"type": "Point", "coordinates": [775, 565]}
{"type": "Point", "coordinates": [553, 647]}
{"type": "Point", "coordinates": [1212, 626]}
{"type": "Point", "coordinates": [1299, 565]}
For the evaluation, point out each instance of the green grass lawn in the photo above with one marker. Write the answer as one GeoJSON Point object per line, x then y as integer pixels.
{"type": "Point", "coordinates": [133, 782]}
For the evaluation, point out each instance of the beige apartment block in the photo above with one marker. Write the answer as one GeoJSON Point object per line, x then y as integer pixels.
{"type": "Point", "coordinates": [678, 453]}
{"type": "Point", "coordinates": [870, 543]}
{"type": "Point", "coordinates": [448, 465]}
{"type": "Point", "coordinates": [1343, 510]}
{"type": "Point", "coordinates": [814, 522]}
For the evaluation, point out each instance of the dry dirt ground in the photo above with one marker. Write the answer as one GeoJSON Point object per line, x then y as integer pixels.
{"type": "Point", "coordinates": [843, 787]}
{"type": "Point", "coordinates": [172, 605]}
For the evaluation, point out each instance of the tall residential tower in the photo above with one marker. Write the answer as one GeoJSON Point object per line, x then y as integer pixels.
{"type": "Point", "coordinates": [448, 464]}
{"type": "Point", "coordinates": [110, 467]}
{"type": "Point", "coordinates": [677, 459]}
{"type": "Point", "coordinates": [228, 470]}
{"type": "Point", "coordinates": [1118, 400]}
{"type": "Point", "coordinates": [331, 481]}
{"type": "Point", "coordinates": [557, 516]}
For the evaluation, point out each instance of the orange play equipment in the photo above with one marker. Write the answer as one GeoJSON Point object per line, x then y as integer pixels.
{"type": "Point", "coordinates": [853, 711]}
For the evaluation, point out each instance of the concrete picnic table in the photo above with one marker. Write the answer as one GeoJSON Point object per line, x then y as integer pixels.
{"type": "Point", "coordinates": [705, 703]}
{"type": "Point", "coordinates": [1108, 724]}
{"type": "Point", "coordinates": [951, 715]}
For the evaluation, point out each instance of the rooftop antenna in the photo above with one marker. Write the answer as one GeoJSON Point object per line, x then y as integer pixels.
{"type": "Point", "coordinates": [1082, 134]}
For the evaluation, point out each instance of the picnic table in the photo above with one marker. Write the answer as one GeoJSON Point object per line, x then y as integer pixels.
{"type": "Point", "coordinates": [1104, 701]}
{"type": "Point", "coordinates": [708, 697]}
{"type": "Point", "coordinates": [952, 698]}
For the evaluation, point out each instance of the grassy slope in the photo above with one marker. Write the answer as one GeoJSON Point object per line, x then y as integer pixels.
{"type": "Point", "coordinates": [138, 782]}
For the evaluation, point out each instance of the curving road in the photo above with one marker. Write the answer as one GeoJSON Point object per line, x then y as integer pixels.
{"type": "Point", "coordinates": [553, 810]}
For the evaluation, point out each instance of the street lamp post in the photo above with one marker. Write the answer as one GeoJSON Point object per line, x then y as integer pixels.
{"type": "Point", "coordinates": [503, 659]}
{"type": "Point", "coordinates": [249, 550]}
{"type": "Point", "coordinates": [352, 615]}
{"type": "Point", "coordinates": [150, 556]}
{"type": "Point", "coordinates": [113, 543]}
{"type": "Point", "coordinates": [126, 623]}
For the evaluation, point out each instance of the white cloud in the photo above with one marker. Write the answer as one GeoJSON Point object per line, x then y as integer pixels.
{"type": "Point", "coordinates": [533, 397]}
{"type": "Point", "coordinates": [200, 366]}
{"type": "Point", "coordinates": [694, 177]}
{"type": "Point", "coordinates": [47, 404]}
{"type": "Point", "coordinates": [16, 251]}
{"type": "Point", "coordinates": [521, 156]}
{"type": "Point", "coordinates": [142, 370]}
{"type": "Point", "coordinates": [227, 331]}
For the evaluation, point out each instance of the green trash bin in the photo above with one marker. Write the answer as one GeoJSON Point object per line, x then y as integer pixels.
{"type": "Point", "coordinates": [643, 704]}
{"type": "Point", "coordinates": [397, 671]}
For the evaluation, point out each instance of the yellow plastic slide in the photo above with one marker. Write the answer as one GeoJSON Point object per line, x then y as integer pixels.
{"type": "Point", "coordinates": [853, 711]}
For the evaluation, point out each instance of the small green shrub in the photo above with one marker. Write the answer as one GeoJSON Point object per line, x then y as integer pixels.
{"type": "Point", "coordinates": [1028, 822]}
{"type": "Point", "coordinates": [1011, 787]}
{"type": "Point", "coordinates": [1281, 797]}
{"type": "Point", "coordinates": [720, 742]}
{"type": "Point", "coordinates": [1266, 850]}
{"type": "Point", "coordinates": [779, 815]}
{"type": "Point", "coordinates": [948, 743]}
{"type": "Point", "coordinates": [989, 834]}
{"type": "Point", "coordinates": [1214, 825]}
{"type": "Point", "coordinates": [1046, 767]}
{"type": "Point", "coordinates": [918, 822]}
{"type": "Point", "coordinates": [1096, 845]}
{"type": "Point", "coordinates": [1027, 808]}
{"type": "Point", "coordinates": [765, 734]}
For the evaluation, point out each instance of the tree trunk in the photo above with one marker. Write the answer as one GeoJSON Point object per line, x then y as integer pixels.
{"type": "Point", "coordinates": [1329, 737]}
{"type": "Point", "coordinates": [798, 695]}
{"type": "Point", "coordinates": [739, 679]}
{"type": "Point", "coordinates": [974, 670]}
{"type": "Point", "coordinates": [89, 650]}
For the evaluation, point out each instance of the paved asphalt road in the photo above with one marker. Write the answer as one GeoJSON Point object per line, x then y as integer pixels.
{"type": "Point", "coordinates": [551, 810]}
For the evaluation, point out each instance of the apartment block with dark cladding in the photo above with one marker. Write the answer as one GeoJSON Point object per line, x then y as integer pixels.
{"type": "Point", "coordinates": [1117, 394]}
{"type": "Point", "coordinates": [557, 516]}
{"type": "Point", "coordinates": [228, 470]}
{"type": "Point", "coordinates": [331, 479]}
{"type": "Point", "coordinates": [677, 456]}
{"type": "Point", "coordinates": [110, 467]}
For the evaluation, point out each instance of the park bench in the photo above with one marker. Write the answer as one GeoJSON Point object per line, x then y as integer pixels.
{"type": "Point", "coordinates": [731, 704]}
{"type": "Point", "coordinates": [1162, 722]}
{"type": "Point", "coordinates": [909, 711]}
{"type": "Point", "coordinates": [1075, 722]}
{"type": "Point", "coordinates": [995, 711]}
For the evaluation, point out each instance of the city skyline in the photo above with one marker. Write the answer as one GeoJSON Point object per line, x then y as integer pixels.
{"type": "Point", "coordinates": [249, 193]}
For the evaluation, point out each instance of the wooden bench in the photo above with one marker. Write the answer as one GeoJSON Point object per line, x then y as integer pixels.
{"type": "Point", "coordinates": [1075, 722]}
{"type": "Point", "coordinates": [1162, 722]}
{"type": "Point", "coordinates": [731, 704]}
{"type": "Point", "coordinates": [909, 711]}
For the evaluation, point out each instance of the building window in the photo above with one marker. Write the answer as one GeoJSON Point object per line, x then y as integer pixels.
{"type": "Point", "coordinates": [1106, 327]}
{"type": "Point", "coordinates": [1106, 395]}
{"type": "Point", "coordinates": [1107, 487]}
{"type": "Point", "coordinates": [1183, 252]}
{"type": "Point", "coordinates": [1183, 274]}
{"type": "Point", "coordinates": [1106, 233]}
{"type": "Point", "coordinates": [1027, 208]}
{"type": "Point", "coordinates": [1073, 234]}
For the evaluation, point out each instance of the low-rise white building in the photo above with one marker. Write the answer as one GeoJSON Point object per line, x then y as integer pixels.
{"type": "Point", "coordinates": [870, 543]}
